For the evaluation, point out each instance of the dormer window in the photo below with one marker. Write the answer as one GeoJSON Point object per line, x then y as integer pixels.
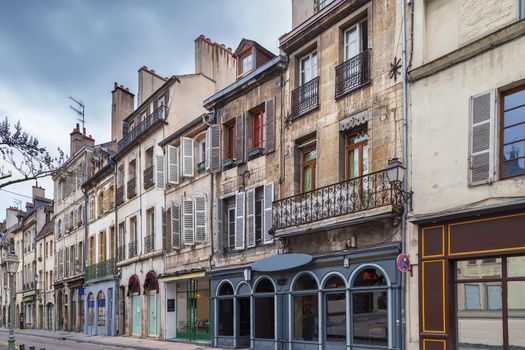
{"type": "Point", "coordinates": [247, 63]}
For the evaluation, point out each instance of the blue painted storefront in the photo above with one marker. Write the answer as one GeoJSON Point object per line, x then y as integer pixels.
{"type": "Point", "coordinates": [100, 303]}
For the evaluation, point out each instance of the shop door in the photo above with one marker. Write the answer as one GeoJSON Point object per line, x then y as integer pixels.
{"type": "Point", "coordinates": [152, 301]}
{"type": "Point", "coordinates": [135, 305]}
{"type": "Point", "coordinates": [198, 304]}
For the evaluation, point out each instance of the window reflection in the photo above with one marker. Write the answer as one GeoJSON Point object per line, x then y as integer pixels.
{"type": "Point", "coordinates": [306, 323]}
{"type": "Point", "coordinates": [370, 318]}
{"type": "Point", "coordinates": [336, 317]}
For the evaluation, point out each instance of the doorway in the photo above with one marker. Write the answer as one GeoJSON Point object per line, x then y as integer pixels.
{"type": "Point", "coordinates": [193, 309]}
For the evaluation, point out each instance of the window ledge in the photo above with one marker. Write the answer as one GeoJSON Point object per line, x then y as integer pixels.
{"type": "Point", "coordinates": [255, 153]}
{"type": "Point", "coordinates": [228, 163]}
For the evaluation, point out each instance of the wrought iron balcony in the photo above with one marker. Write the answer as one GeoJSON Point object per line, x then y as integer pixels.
{"type": "Point", "coordinates": [158, 115]}
{"type": "Point", "coordinates": [305, 98]}
{"type": "Point", "coordinates": [149, 244]}
{"type": "Point", "coordinates": [353, 73]}
{"type": "Point", "coordinates": [355, 195]}
{"type": "Point", "coordinates": [149, 180]}
{"type": "Point", "coordinates": [120, 195]}
{"type": "Point", "coordinates": [132, 249]}
{"type": "Point", "coordinates": [101, 269]}
{"type": "Point", "coordinates": [132, 187]}
{"type": "Point", "coordinates": [121, 253]}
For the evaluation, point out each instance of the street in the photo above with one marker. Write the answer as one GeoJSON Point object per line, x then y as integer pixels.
{"type": "Point", "coordinates": [50, 344]}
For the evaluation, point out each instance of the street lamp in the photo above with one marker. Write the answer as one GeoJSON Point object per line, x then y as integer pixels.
{"type": "Point", "coordinates": [11, 262]}
{"type": "Point", "coordinates": [395, 172]}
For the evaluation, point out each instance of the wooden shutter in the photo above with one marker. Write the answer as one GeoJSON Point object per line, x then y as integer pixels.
{"type": "Point", "coordinates": [164, 230]}
{"type": "Point", "coordinates": [188, 230]}
{"type": "Point", "coordinates": [481, 146]}
{"type": "Point", "coordinates": [106, 205]}
{"type": "Point", "coordinates": [125, 128]}
{"type": "Point", "coordinates": [200, 217]}
{"type": "Point", "coordinates": [269, 126]}
{"type": "Point", "coordinates": [75, 218]}
{"type": "Point", "coordinates": [188, 164]}
{"type": "Point", "coordinates": [267, 218]}
{"type": "Point", "coordinates": [207, 150]}
{"type": "Point", "coordinates": [215, 148]}
{"type": "Point", "coordinates": [220, 213]}
{"type": "Point", "coordinates": [250, 218]}
{"type": "Point", "coordinates": [175, 225]}
{"type": "Point", "coordinates": [239, 143]}
{"type": "Point", "coordinates": [239, 220]}
{"type": "Point", "coordinates": [66, 222]}
{"type": "Point", "coordinates": [159, 180]}
{"type": "Point", "coordinates": [173, 165]}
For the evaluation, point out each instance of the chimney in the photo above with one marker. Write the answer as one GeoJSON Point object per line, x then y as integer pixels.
{"type": "Point", "coordinates": [149, 82]}
{"type": "Point", "coordinates": [79, 139]}
{"type": "Point", "coordinates": [215, 61]}
{"type": "Point", "coordinates": [122, 104]}
{"type": "Point", "coordinates": [39, 192]}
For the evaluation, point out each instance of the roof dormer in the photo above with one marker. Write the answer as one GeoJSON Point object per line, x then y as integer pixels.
{"type": "Point", "coordinates": [250, 55]}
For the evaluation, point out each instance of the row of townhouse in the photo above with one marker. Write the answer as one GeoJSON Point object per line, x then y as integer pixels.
{"type": "Point", "coordinates": [262, 202]}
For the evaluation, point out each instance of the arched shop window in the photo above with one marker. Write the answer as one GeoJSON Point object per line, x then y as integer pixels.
{"type": "Point", "coordinates": [370, 307]}
{"type": "Point", "coordinates": [264, 300]}
{"type": "Point", "coordinates": [335, 309]}
{"type": "Point", "coordinates": [306, 307]}
{"type": "Point", "coordinates": [91, 309]}
{"type": "Point", "coordinates": [133, 285]}
{"type": "Point", "coordinates": [225, 312]}
{"type": "Point", "coordinates": [243, 310]}
{"type": "Point", "coordinates": [101, 309]}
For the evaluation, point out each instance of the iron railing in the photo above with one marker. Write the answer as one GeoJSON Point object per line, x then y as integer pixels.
{"type": "Point", "coordinates": [352, 73]}
{"type": "Point", "coordinates": [305, 98]}
{"type": "Point", "coordinates": [121, 253]}
{"type": "Point", "coordinates": [158, 115]}
{"type": "Point", "coordinates": [149, 180]}
{"type": "Point", "coordinates": [321, 4]}
{"type": "Point", "coordinates": [132, 187]}
{"type": "Point", "coordinates": [101, 269]}
{"type": "Point", "coordinates": [358, 194]}
{"type": "Point", "coordinates": [149, 243]}
{"type": "Point", "coordinates": [120, 195]}
{"type": "Point", "coordinates": [132, 249]}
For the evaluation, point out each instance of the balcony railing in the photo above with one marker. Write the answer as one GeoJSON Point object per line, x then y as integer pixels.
{"type": "Point", "coordinates": [121, 253]}
{"type": "Point", "coordinates": [305, 98]}
{"type": "Point", "coordinates": [158, 115]}
{"type": "Point", "coordinates": [132, 249]}
{"type": "Point", "coordinates": [352, 73]}
{"type": "Point", "coordinates": [149, 244]}
{"type": "Point", "coordinates": [120, 195]}
{"type": "Point", "coordinates": [132, 188]}
{"type": "Point", "coordinates": [358, 194]}
{"type": "Point", "coordinates": [101, 269]}
{"type": "Point", "coordinates": [148, 178]}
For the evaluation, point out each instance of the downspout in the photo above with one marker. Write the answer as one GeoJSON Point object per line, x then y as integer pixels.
{"type": "Point", "coordinates": [84, 246]}
{"type": "Point", "coordinates": [212, 200]}
{"type": "Point", "coordinates": [115, 239]}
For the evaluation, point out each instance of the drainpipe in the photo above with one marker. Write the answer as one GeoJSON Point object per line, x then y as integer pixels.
{"type": "Point", "coordinates": [115, 253]}
{"type": "Point", "coordinates": [84, 246]}
{"type": "Point", "coordinates": [212, 199]}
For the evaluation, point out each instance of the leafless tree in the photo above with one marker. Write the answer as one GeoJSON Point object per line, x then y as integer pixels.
{"type": "Point", "coordinates": [23, 159]}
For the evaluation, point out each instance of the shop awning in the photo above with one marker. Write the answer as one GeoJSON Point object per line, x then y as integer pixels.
{"type": "Point", "coordinates": [183, 276]}
{"type": "Point", "coordinates": [281, 262]}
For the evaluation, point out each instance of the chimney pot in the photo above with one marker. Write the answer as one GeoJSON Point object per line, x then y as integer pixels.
{"type": "Point", "coordinates": [127, 89]}
{"type": "Point", "coordinates": [153, 71]}
{"type": "Point", "coordinates": [115, 84]}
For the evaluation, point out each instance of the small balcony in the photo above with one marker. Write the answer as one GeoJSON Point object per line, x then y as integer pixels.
{"type": "Point", "coordinates": [148, 178]}
{"type": "Point", "coordinates": [121, 253]}
{"type": "Point", "coordinates": [149, 244]}
{"type": "Point", "coordinates": [372, 195]}
{"type": "Point", "coordinates": [305, 98]}
{"type": "Point", "coordinates": [352, 74]}
{"type": "Point", "coordinates": [120, 195]}
{"type": "Point", "coordinates": [132, 249]}
{"type": "Point", "coordinates": [102, 269]}
{"type": "Point", "coordinates": [132, 187]}
{"type": "Point", "coordinates": [159, 115]}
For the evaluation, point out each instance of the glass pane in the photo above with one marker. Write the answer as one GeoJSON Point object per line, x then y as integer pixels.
{"type": "Point", "coordinates": [183, 325]}
{"type": "Point", "coordinates": [365, 159]}
{"type": "Point", "coordinates": [475, 269]}
{"type": "Point", "coordinates": [336, 317]}
{"type": "Point", "coordinates": [516, 299]}
{"type": "Point", "coordinates": [226, 289]}
{"type": "Point", "coordinates": [514, 133]}
{"type": "Point", "coordinates": [351, 43]}
{"type": "Point", "coordinates": [305, 282]}
{"type": "Point", "coordinates": [244, 289]}
{"type": "Point", "coordinates": [514, 167]}
{"type": "Point", "coordinates": [307, 179]}
{"type": "Point", "coordinates": [479, 315]}
{"type": "Point", "coordinates": [310, 155]}
{"type": "Point", "coordinates": [264, 318]}
{"type": "Point", "coordinates": [264, 286]}
{"type": "Point", "coordinates": [244, 316]}
{"type": "Point", "coordinates": [306, 320]}
{"type": "Point", "coordinates": [514, 100]}
{"type": "Point", "coordinates": [226, 317]}
{"type": "Point", "coordinates": [334, 282]}
{"type": "Point", "coordinates": [358, 137]}
{"type": "Point", "coordinates": [369, 277]}
{"type": "Point", "coordinates": [370, 318]}
{"type": "Point", "coordinates": [353, 163]}
{"type": "Point", "coordinates": [516, 266]}
{"type": "Point", "coordinates": [514, 150]}
{"type": "Point", "coordinates": [313, 72]}
{"type": "Point", "coordinates": [203, 311]}
{"type": "Point", "coordinates": [515, 116]}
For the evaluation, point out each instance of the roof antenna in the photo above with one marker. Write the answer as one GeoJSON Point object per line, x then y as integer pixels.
{"type": "Point", "coordinates": [79, 110]}
{"type": "Point", "coordinates": [18, 203]}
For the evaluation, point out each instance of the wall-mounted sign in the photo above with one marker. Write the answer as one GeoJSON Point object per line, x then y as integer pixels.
{"type": "Point", "coordinates": [403, 262]}
{"type": "Point", "coordinates": [171, 305]}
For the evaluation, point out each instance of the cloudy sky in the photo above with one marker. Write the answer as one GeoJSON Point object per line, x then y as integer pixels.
{"type": "Point", "coordinates": [53, 49]}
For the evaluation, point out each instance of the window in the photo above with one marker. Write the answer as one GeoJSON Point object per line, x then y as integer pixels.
{"type": "Point", "coordinates": [91, 250]}
{"type": "Point", "coordinates": [513, 133]}
{"type": "Point", "coordinates": [264, 310]}
{"type": "Point", "coordinates": [259, 215]}
{"type": "Point", "coordinates": [247, 63]}
{"type": "Point", "coordinates": [132, 169]}
{"type": "Point", "coordinates": [335, 309]}
{"type": "Point", "coordinates": [120, 175]}
{"type": "Point", "coordinates": [225, 304]}
{"type": "Point", "coordinates": [101, 309]}
{"type": "Point", "coordinates": [112, 242]}
{"type": "Point", "coordinates": [91, 309]}
{"type": "Point", "coordinates": [357, 153]}
{"type": "Point", "coordinates": [229, 139]}
{"type": "Point", "coordinates": [308, 67]}
{"type": "Point", "coordinates": [355, 40]}
{"type": "Point", "coordinates": [102, 246]}
{"type": "Point", "coordinates": [202, 150]}
{"type": "Point", "coordinates": [306, 309]}
{"type": "Point", "coordinates": [257, 129]}
{"type": "Point", "coordinates": [149, 158]}
{"type": "Point", "coordinates": [308, 168]}
{"type": "Point", "coordinates": [522, 9]}
{"type": "Point", "coordinates": [321, 4]}
{"type": "Point", "coordinates": [229, 223]}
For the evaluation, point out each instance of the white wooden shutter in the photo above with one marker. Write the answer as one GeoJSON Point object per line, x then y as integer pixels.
{"type": "Point", "coordinates": [159, 180]}
{"type": "Point", "coordinates": [215, 149]}
{"type": "Point", "coordinates": [188, 164]}
{"type": "Point", "coordinates": [188, 232]}
{"type": "Point", "coordinates": [220, 231]}
{"type": "Point", "coordinates": [106, 205]}
{"type": "Point", "coordinates": [241, 138]}
{"type": "Point", "coordinates": [207, 150]}
{"type": "Point", "coordinates": [267, 219]}
{"type": "Point", "coordinates": [250, 218]}
{"type": "Point", "coordinates": [175, 225]}
{"type": "Point", "coordinates": [481, 145]}
{"type": "Point", "coordinates": [75, 218]}
{"type": "Point", "coordinates": [200, 217]}
{"type": "Point", "coordinates": [173, 165]}
{"type": "Point", "coordinates": [66, 222]}
{"type": "Point", "coordinates": [269, 126]}
{"type": "Point", "coordinates": [239, 220]}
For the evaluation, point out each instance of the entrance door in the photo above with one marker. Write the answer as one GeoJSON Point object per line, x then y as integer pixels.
{"type": "Point", "coordinates": [135, 305]}
{"type": "Point", "coordinates": [109, 324]}
{"type": "Point", "coordinates": [193, 309]}
{"type": "Point", "coordinates": [152, 308]}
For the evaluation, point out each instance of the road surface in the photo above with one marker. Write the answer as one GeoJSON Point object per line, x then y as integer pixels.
{"type": "Point", "coordinates": [51, 344]}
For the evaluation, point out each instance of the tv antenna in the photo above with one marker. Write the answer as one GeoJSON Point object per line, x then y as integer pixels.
{"type": "Point", "coordinates": [80, 111]}
{"type": "Point", "coordinates": [18, 203]}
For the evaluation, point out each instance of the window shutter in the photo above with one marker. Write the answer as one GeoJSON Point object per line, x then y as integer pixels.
{"type": "Point", "coordinates": [75, 218]}
{"type": "Point", "coordinates": [159, 181]}
{"type": "Point", "coordinates": [481, 147]}
{"type": "Point", "coordinates": [200, 217]}
{"type": "Point", "coordinates": [239, 143]}
{"type": "Point", "coordinates": [173, 165]}
{"type": "Point", "coordinates": [239, 220]}
{"type": "Point", "coordinates": [164, 230]}
{"type": "Point", "coordinates": [106, 205]}
{"type": "Point", "coordinates": [188, 222]}
{"type": "Point", "coordinates": [220, 213]}
{"type": "Point", "coordinates": [188, 164]}
{"type": "Point", "coordinates": [267, 219]}
{"type": "Point", "coordinates": [250, 218]}
{"type": "Point", "coordinates": [175, 225]}
{"type": "Point", "coordinates": [207, 151]}
{"type": "Point", "coordinates": [215, 150]}
{"type": "Point", "coordinates": [66, 222]}
{"type": "Point", "coordinates": [269, 126]}
{"type": "Point", "coordinates": [125, 128]}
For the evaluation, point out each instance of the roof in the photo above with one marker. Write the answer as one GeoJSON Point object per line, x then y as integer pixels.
{"type": "Point", "coordinates": [47, 229]}
{"type": "Point", "coordinates": [245, 41]}
{"type": "Point", "coordinates": [182, 130]}
{"type": "Point", "coordinates": [105, 171]}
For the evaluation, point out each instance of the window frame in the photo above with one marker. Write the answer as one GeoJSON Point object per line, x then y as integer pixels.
{"type": "Point", "coordinates": [229, 150]}
{"type": "Point", "coordinates": [250, 68]}
{"type": "Point", "coordinates": [502, 128]}
{"type": "Point", "coordinates": [314, 70]}
{"type": "Point", "coordinates": [357, 146]}
{"type": "Point", "coordinates": [258, 114]}
{"type": "Point", "coordinates": [304, 164]}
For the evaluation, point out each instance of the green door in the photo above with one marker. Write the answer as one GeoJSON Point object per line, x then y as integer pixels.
{"type": "Point", "coordinates": [136, 314]}
{"type": "Point", "coordinates": [193, 310]}
{"type": "Point", "coordinates": [152, 313]}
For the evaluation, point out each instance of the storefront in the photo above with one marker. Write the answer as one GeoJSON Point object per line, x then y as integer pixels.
{"type": "Point", "coordinates": [151, 294]}
{"type": "Point", "coordinates": [136, 307]}
{"type": "Point", "coordinates": [330, 302]}
{"type": "Point", "coordinates": [100, 305]}
{"type": "Point", "coordinates": [472, 280]}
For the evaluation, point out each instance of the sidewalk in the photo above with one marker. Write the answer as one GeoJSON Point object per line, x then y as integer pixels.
{"type": "Point", "coordinates": [118, 341]}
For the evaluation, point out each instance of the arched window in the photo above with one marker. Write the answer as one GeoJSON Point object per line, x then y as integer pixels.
{"type": "Point", "coordinates": [243, 289]}
{"type": "Point", "coordinates": [306, 309]}
{"type": "Point", "coordinates": [225, 309]}
{"type": "Point", "coordinates": [335, 309]}
{"type": "Point", "coordinates": [370, 307]}
{"type": "Point", "coordinates": [91, 309]}
{"type": "Point", "coordinates": [101, 309]}
{"type": "Point", "coordinates": [133, 285]}
{"type": "Point", "coordinates": [264, 298]}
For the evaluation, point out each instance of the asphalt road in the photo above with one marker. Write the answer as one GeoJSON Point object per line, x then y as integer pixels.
{"type": "Point", "coordinates": [50, 344]}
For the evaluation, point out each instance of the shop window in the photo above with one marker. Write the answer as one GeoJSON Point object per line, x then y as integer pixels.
{"type": "Point", "coordinates": [264, 310]}
{"type": "Point", "coordinates": [91, 309]}
{"type": "Point", "coordinates": [101, 309]}
{"type": "Point", "coordinates": [225, 312]}
{"type": "Point", "coordinates": [306, 310]}
{"type": "Point", "coordinates": [335, 309]}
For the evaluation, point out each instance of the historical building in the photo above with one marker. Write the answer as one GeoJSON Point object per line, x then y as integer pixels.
{"type": "Point", "coordinates": [45, 264]}
{"type": "Point", "coordinates": [467, 141]}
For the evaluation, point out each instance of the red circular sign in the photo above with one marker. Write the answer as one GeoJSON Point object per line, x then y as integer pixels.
{"type": "Point", "coordinates": [403, 262]}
